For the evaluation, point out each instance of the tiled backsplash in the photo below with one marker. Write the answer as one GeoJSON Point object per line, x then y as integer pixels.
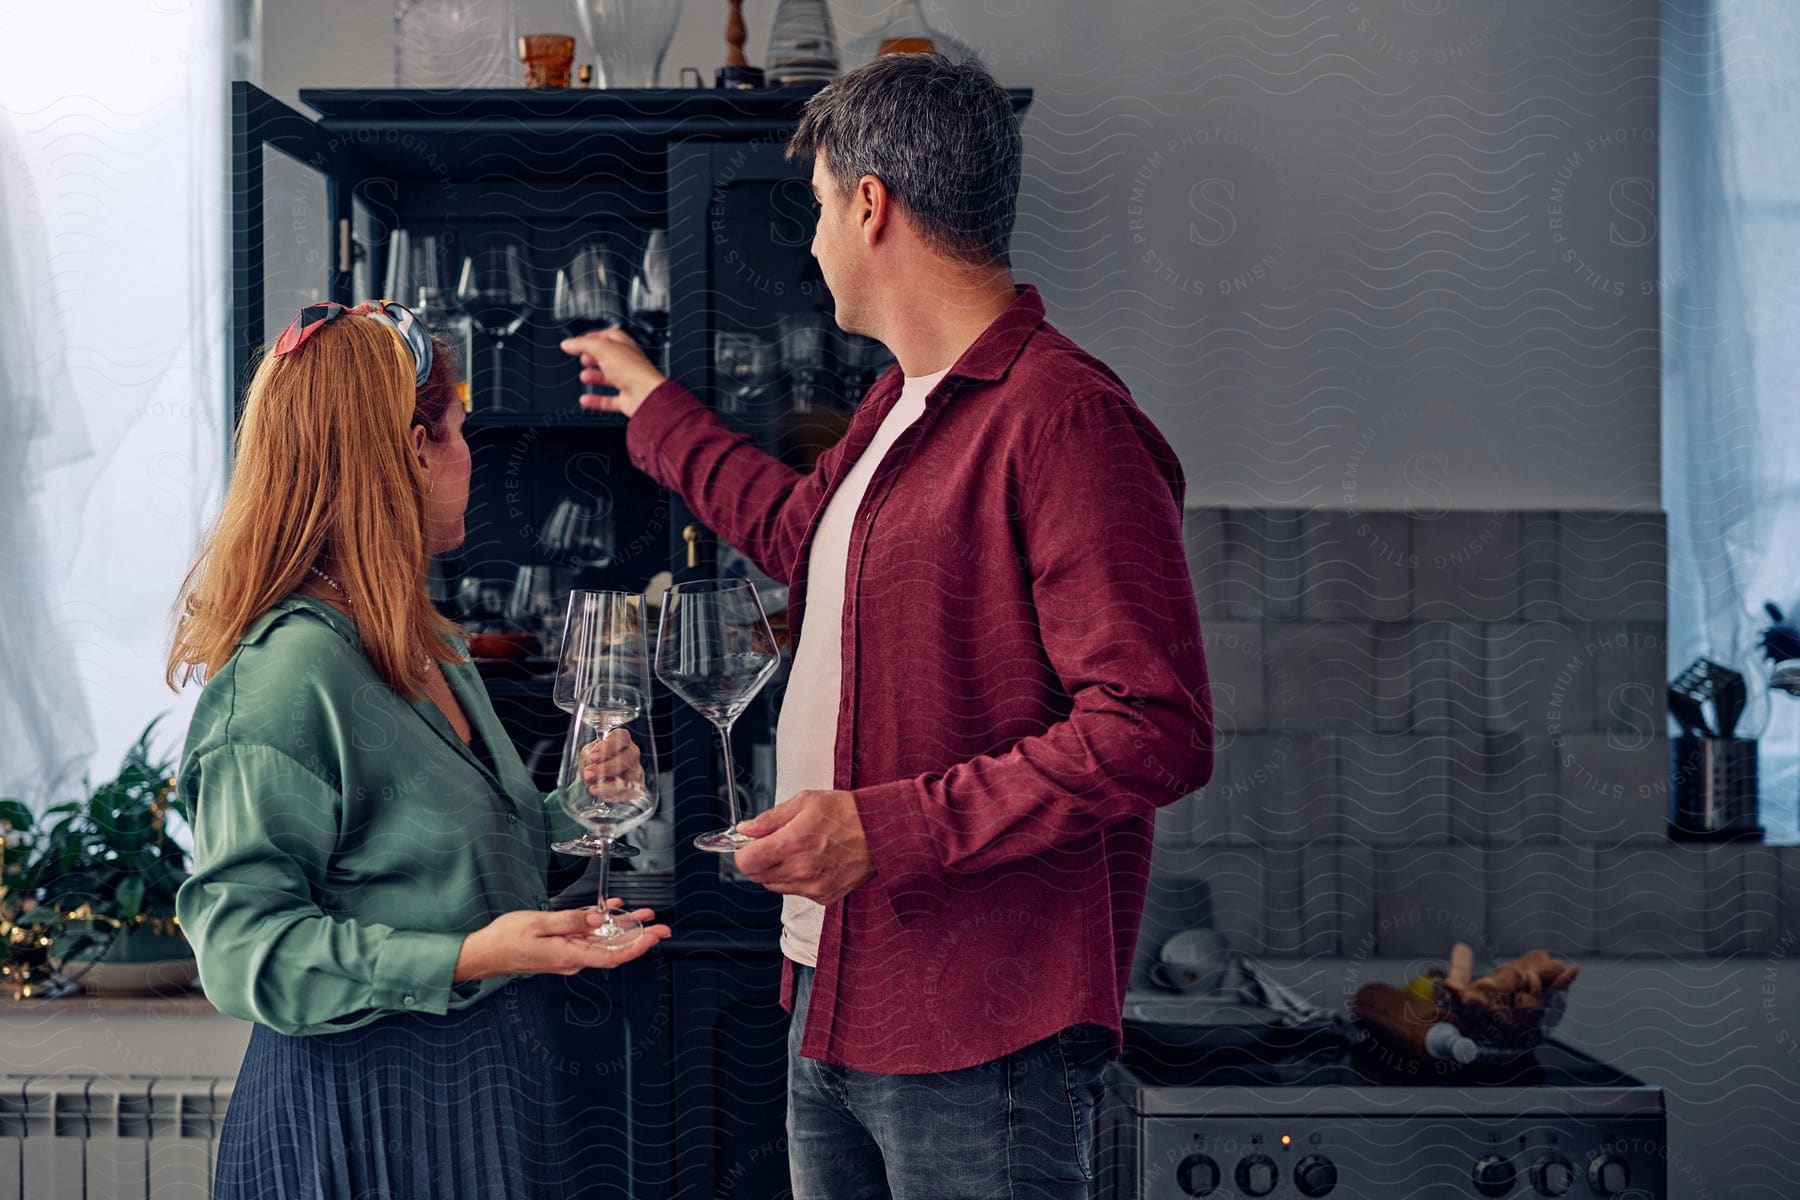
{"type": "Point", "coordinates": [1449, 727]}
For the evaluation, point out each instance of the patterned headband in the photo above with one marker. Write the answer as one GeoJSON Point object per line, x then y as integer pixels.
{"type": "Point", "coordinates": [397, 317]}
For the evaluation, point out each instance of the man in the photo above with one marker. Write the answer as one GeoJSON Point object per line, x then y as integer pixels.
{"type": "Point", "coordinates": [1000, 678]}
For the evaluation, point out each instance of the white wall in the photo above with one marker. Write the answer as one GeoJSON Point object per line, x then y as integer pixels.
{"type": "Point", "coordinates": [1365, 253]}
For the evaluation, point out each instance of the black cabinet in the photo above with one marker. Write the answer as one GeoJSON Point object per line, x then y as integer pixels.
{"type": "Point", "coordinates": [676, 1063]}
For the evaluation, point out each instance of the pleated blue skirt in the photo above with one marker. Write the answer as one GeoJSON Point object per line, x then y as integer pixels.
{"type": "Point", "coordinates": [409, 1107]}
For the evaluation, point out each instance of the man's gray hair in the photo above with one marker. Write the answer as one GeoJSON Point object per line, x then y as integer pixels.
{"type": "Point", "coordinates": [941, 137]}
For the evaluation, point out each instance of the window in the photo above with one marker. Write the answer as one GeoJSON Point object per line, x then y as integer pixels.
{"type": "Point", "coordinates": [112, 289]}
{"type": "Point", "coordinates": [1730, 225]}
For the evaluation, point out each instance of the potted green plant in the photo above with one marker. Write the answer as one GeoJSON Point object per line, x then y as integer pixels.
{"type": "Point", "coordinates": [91, 884]}
{"type": "Point", "coordinates": [27, 929]}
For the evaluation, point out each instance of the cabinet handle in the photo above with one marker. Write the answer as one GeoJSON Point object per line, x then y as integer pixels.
{"type": "Point", "coordinates": [346, 258]}
{"type": "Point", "coordinates": [691, 535]}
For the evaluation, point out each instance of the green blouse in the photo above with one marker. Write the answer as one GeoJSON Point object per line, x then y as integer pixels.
{"type": "Point", "coordinates": [345, 839]}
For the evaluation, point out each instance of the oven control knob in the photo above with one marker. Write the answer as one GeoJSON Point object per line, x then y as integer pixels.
{"type": "Point", "coordinates": [1552, 1175]}
{"type": "Point", "coordinates": [1257, 1175]}
{"type": "Point", "coordinates": [1315, 1176]}
{"type": "Point", "coordinates": [1198, 1175]}
{"type": "Point", "coordinates": [1609, 1176]}
{"type": "Point", "coordinates": [1494, 1176]}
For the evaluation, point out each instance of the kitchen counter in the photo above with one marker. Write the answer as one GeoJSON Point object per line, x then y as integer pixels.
{"type": "Point", "coordinates": [179, 1034]}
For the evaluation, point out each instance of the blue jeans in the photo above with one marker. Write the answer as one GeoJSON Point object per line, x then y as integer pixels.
{"type": "Point", "coordinates": [1018, 1128]}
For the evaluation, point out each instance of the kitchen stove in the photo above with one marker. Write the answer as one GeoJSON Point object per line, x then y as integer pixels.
{"type": "Point", "coordinates": [1226, 1102]}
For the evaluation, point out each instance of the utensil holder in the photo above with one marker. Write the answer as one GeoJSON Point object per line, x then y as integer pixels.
{"type": "Point", "coordinates": [1714, 792]}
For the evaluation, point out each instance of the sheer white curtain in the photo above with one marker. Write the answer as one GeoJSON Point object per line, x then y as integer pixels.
{"type": "Point", "coordinates": [1730, 192]}
{"type": "Point", "coordinates": [112, 335]}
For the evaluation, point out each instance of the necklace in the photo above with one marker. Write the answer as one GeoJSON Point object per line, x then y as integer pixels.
{"type": "Point", "coordinates": [424, 665]}
{"type": "Point", "coordinates": [335, 586]}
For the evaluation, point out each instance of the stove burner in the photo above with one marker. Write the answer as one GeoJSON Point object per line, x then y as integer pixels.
{"type": "Point", "coordinates": [1325, 1055]}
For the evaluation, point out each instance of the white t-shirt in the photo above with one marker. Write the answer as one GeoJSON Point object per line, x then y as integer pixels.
{"type": "Point", "coordinates": [806, 732]}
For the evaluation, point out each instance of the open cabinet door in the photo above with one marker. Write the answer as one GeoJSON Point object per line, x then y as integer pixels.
{"type": "Point", "coordinates": [291, 235]}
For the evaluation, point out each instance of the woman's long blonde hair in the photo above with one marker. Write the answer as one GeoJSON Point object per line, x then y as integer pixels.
{"type": "Point", "coordinates": [325, 475]}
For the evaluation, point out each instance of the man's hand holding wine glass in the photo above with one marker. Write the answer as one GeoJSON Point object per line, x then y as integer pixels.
{"type": "Point", "coordinates": [811, 845]}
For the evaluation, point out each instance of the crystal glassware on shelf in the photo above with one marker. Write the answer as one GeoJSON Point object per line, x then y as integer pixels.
{"type": "Point", "coordinates": [746, 365]}
{"type": "Point", "coordinates": [605, 660]}
{"type": "Point", "coordinates": [483, 602]}
{"type": "Point", "coordinates": [802, 45]}
{"type": "Point", "coordinates": [607, 784]}
{"type": "Point", "coordinates": [494, 289]}
{"type": "Point", "coordinates": [647, 301]}
{"type": "Point", "coordinates": [588, 296]}
{"type": "Point", "coordinates": [628, 38]}
{"type": "Point", "coordinates": [418, 277]}
{"type": "Point", "coordinates": [453, 44]}
{"type": "Point", "coordinates": [580, 531]}
{"type": "Point", "coordinates": [714, 649]}
{"type": "Point", "coordinates": [539, 594]}
{"type": "Point", "coordinates": [415, 271]}
{"type": "Point", "coordinates": [804, 339]}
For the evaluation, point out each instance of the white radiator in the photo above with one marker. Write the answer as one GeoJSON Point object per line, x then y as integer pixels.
{"type": "Point", "coordinates": [123, 1137]}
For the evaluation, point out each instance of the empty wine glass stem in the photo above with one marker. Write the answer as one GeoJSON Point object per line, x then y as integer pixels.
{"type": "Point", "coordinates": [730, 777]}
{"type": "Point", "coordinates": [605, 861]}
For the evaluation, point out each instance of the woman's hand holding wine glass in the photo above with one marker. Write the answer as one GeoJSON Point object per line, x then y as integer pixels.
{"type": "Point", "coordinates": [552, 943]}
{"type": "Point", "coordinates": [612, 766]}
{"type": "Point", "coordinates": [606, 788]}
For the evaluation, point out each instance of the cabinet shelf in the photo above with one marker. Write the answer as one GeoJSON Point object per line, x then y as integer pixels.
{"type": "Point", "coordinates": [529, 420]}
{"type": "Point", "coordinates": [516, 134]}
{"type": "Point", "coordinates": [642, 106]}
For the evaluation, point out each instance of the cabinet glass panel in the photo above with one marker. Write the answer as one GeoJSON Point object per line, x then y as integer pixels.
{"type": "Point", "coordinates": [297, 251]}
{"type": "Point", "coordinates": [782, 370]}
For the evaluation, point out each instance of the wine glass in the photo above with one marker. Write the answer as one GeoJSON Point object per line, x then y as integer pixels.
{"type": "Point", "coordinates": [580, 531]}
{"type": "Point", "coordinates": [415, 271]}
{"type": "Point", "coordinates": [746, 364]}
{"type": "Point", "coordinates": [605, 660]}
{"type": "Point", "coordinates": [586, 295]}
{"type": "Point", "coordinates": [416, 277]}
{"type": "Point", "coordinates": [537, 593]}
{"type": "Point", "coordinates": [714, 650]}
{"type": "Point", "coordinates": [803, 338]}
{"type": "Point", "coordinates": [482, 602]}
{"type": "Point", "coordinates": [648, 301]}
{"type": "Point", "coordinates": [607, 784]}
{"type": "Point", "coordinates": [495, 290]}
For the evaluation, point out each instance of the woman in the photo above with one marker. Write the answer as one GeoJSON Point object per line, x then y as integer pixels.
{"type": "Point", "coordinates": [370, 883]}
